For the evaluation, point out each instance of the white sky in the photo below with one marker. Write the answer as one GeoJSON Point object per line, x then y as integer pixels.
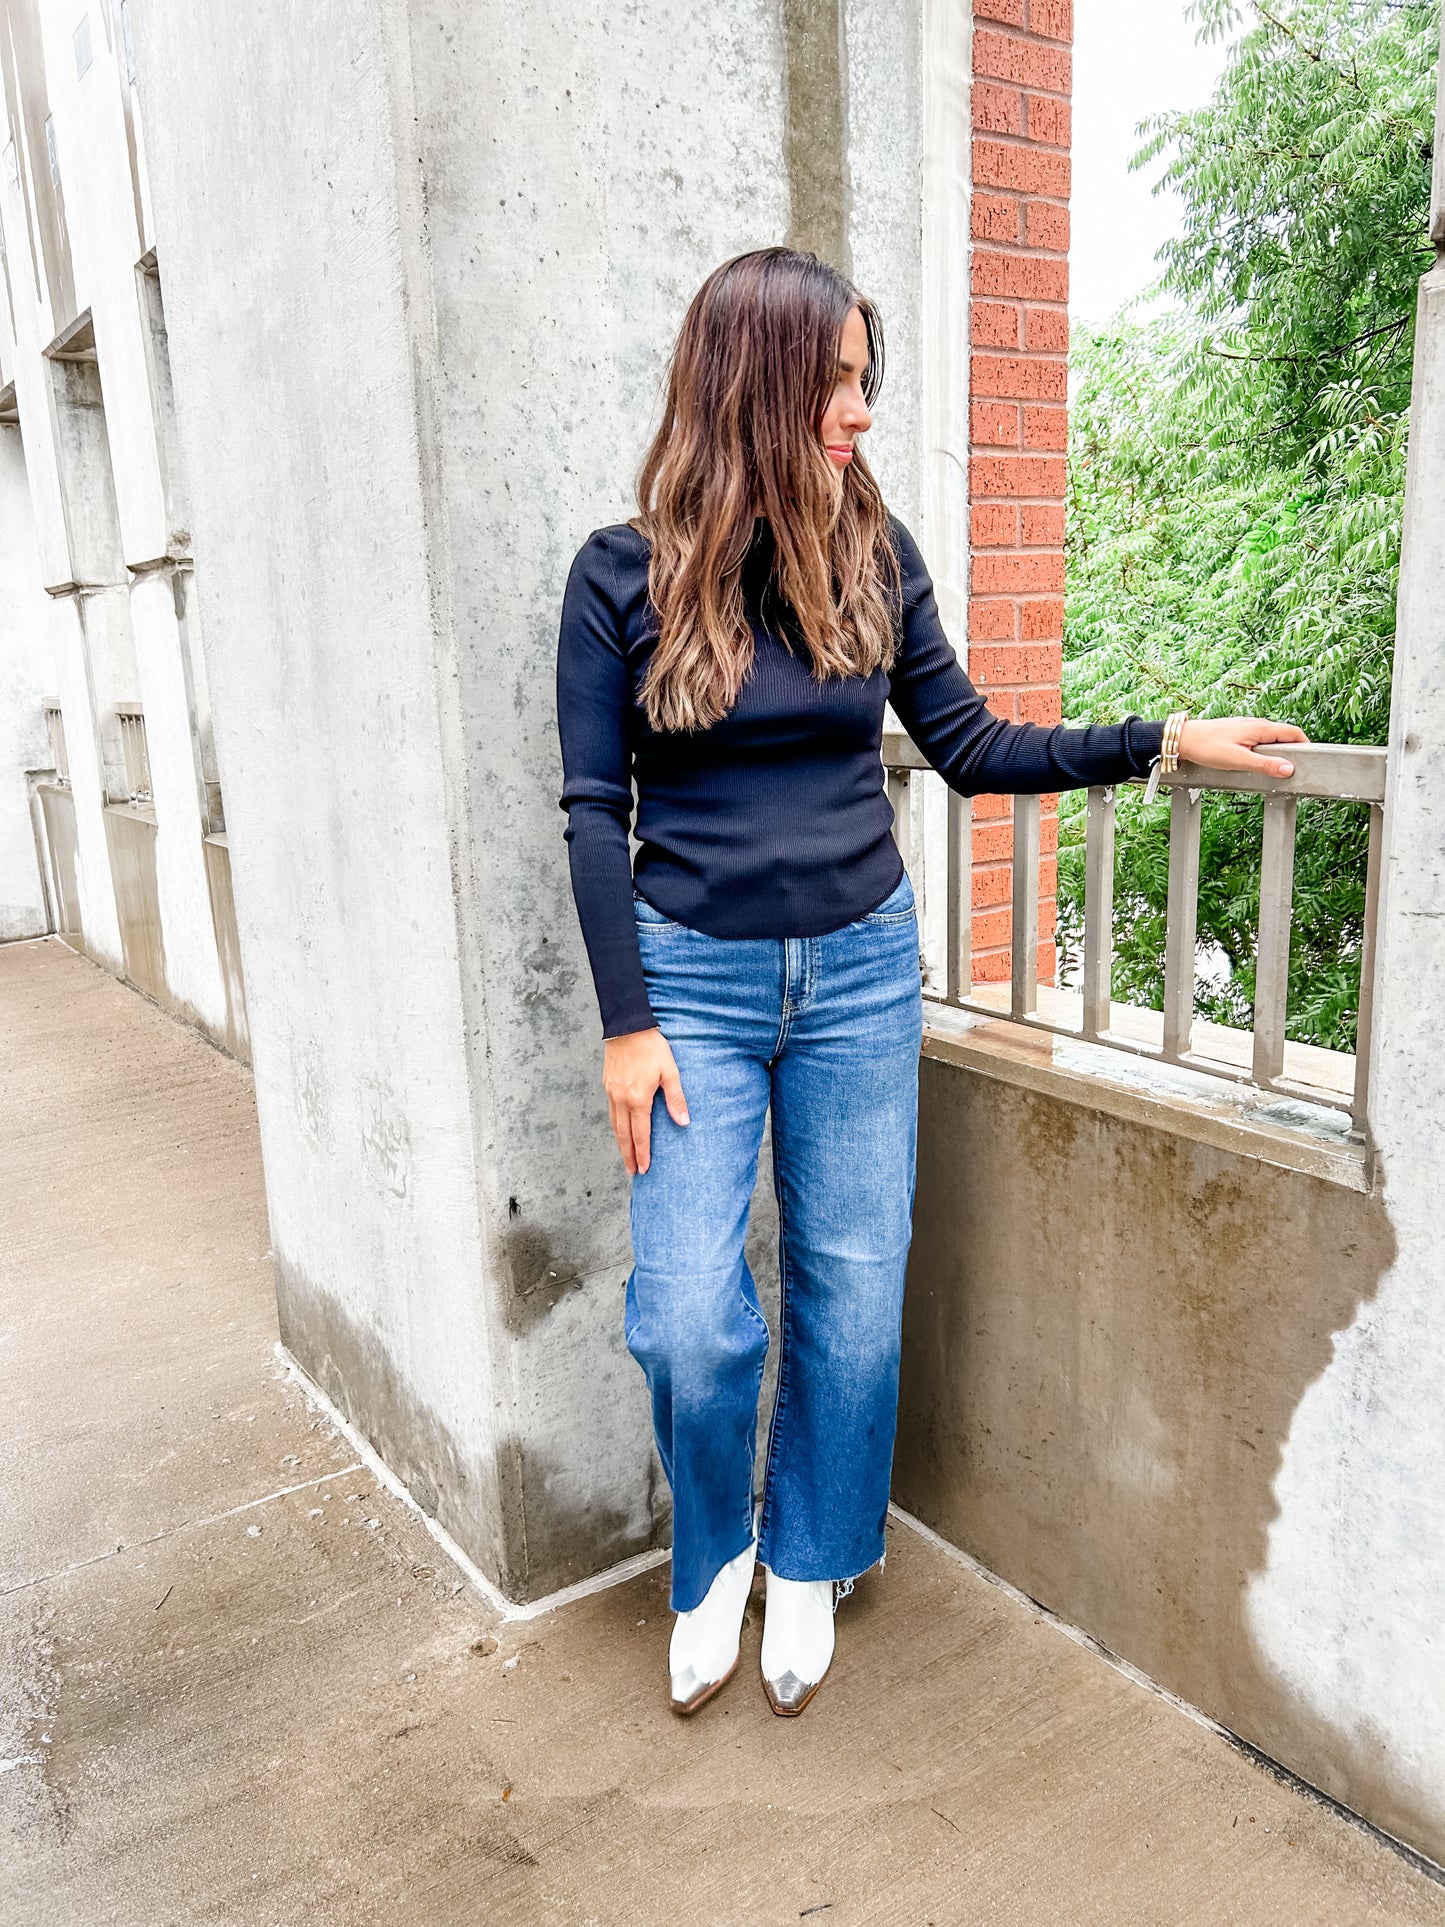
{"type": "Point", "coordinates": [1131, 58]}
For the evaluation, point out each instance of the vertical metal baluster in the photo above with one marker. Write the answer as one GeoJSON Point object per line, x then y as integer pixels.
{"type": "Point", "coordinates": [1359, 1110]}
{"type": "Point", "coordinates": [918, 845]}
{"type": "Point", "coordinates": [1025, 958]}
{"type": "Point", "coordinates": [1271, 969]}
{"type": "Point", "coordinates": [1098, 912]}
{"type": "Point", "coordinates": [960, 896]}
{"type": "Point", "coordinates": [1184, 820]}
{"type": "Point", "coordinates": [902, 815]}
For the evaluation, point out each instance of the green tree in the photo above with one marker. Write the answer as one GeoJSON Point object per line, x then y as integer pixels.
{"type": "Point", "coordinates": [1237, 468]}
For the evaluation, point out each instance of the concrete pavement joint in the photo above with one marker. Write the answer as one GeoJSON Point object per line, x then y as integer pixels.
{"type": "Point", "coordinates": [510, 1611]}
{"type": "Point", "coordinates": [1276, 1771]}
{"type": "Point", "coordinates": [171, 1532]}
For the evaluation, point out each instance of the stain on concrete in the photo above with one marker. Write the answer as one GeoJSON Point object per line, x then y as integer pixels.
{"type": "Point", "coordinates": [659, 1500]}
{"type": "Point", "coordinates": [816, 128]}
{"type": "Point", "coordinates": [361, 1378]}
{"type": "Point", "coordinates": [1107, 1330]}
{"type": "Point", "coordinates": [539, 1272]}
{"type": "Point", "coordinates": [515, 1510]}
{"type": "Point", "coordinates": [385, 1137]}
{"type": "Point", "coordinates": [571, 1534]}
{"type": "Point", "coordinates": [548, 978]}
{"type": "Point", "coordinates": [313, 1111]}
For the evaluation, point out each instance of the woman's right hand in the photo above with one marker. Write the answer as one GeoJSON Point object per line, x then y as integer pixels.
{"type": "Point", "coordinates": [632, 1068]}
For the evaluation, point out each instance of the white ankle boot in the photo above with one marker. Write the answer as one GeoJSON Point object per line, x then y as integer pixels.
{"type": "Point", "coordinates": [704, 1653]}
{"type": "Point", "coordinates": [797, 1640]}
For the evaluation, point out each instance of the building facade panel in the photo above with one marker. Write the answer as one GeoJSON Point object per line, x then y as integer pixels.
{"type": "Point", "coordinates": [83, 357]}
{"type": "Point", "coordinates": [25, 683]}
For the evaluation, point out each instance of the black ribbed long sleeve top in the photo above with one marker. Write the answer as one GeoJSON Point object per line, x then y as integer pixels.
{"type": "Point", "coordinates": [774, 822]}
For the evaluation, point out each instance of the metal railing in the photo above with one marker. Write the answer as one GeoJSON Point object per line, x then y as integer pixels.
{"type": "Point", "coordinates": [59, 758]}
{"type": "Point", "coordinates": [1332, 771]}
{"type": "Point", "coordinates": [136, 753]}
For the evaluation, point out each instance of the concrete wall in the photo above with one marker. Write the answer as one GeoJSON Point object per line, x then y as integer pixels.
{"type": "Point", "coordinates": [1114, 1322]}
{"type": "Point", "coordinates": [317, 519]}
{"type": "Point", "coordinates": [626, 156]}
{"type": "Point", "coordinates": [469, 235]}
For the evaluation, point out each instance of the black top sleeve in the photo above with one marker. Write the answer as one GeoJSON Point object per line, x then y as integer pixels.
{"type": "Point", "coordinates": [599, 725]}
{"type": "Point", "coordinates": [972, 749]}
{"type": "Point", "coordinates": [594, 703]}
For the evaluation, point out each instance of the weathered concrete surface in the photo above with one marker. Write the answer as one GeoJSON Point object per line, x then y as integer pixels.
{"type": "Point", "coordinates": [222, 1700]}
{"type": "Point", "coordinates": [1347, 1607]}
{"type": "Point", "coordinates": [1111, 1329]}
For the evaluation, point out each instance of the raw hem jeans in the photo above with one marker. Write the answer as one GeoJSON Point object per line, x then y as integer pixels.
{"type": "Point", "coordinates": [828, 1031]}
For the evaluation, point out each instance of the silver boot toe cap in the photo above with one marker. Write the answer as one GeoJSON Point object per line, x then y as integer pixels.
{"type": "Point", "coordinates": [689, 1692]}
{"type": "Point", "coordinates": [788, 1693]}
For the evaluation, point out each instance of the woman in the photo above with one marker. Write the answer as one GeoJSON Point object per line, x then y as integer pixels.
{"type": "Point", "coordinates": [732, 648]}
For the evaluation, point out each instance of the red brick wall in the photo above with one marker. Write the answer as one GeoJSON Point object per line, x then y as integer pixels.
{"type": "Point", "coordinates": [1019, 333]}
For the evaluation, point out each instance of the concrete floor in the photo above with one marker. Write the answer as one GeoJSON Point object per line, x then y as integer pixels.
{"type": "Point", "coordinates": [240, 1684]}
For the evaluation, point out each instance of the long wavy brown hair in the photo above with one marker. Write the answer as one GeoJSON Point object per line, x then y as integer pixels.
{"type": "Point", "coordinates": [752, 374]}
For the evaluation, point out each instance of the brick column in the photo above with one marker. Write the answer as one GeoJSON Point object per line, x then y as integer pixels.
{"type": "Point", "coordinates": [1019, 334]}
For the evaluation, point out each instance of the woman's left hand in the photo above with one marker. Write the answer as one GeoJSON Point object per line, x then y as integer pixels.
{"type": "Point", "coordinates": [1230, 743]}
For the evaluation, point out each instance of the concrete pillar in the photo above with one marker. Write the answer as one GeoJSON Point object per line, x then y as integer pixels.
{"type": "Point", "coordinates": [422, 270]}
{"type": "Point", "coordinates": [25, 685]}
{"type": "Point", "coordinates": [72, 507]}
{"type": "Point", "coordinates": [1347, 1611]}
{"type": "Point", "coordinates": [134, 480]}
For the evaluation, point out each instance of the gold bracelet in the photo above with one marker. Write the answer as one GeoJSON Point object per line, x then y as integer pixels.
{"type": "Point", "coordinates": [1173, 735]}
{"type": "Point", "coordinates": [1167, 761]}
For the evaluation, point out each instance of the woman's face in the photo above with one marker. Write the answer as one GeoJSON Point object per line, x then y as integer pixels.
{"type": "Point", "coordinates": [847, 412]}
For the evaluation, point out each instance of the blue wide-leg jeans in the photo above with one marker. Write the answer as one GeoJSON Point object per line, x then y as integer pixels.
{"type": "Point", "coordinates": [827, 1030]}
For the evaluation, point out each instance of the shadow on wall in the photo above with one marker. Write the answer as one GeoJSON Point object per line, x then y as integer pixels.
{"type": "Point", "coordinates": [1107, 1333]}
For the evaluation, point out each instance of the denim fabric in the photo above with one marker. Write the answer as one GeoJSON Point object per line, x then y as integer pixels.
{"type": "Point", "coordinates": [827, 1030]}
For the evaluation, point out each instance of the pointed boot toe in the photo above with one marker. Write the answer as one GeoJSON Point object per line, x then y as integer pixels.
{"type": "Point", "coordinates": [788, 1694]}
{"type": "Point", "coordinates": [689, 1692]}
